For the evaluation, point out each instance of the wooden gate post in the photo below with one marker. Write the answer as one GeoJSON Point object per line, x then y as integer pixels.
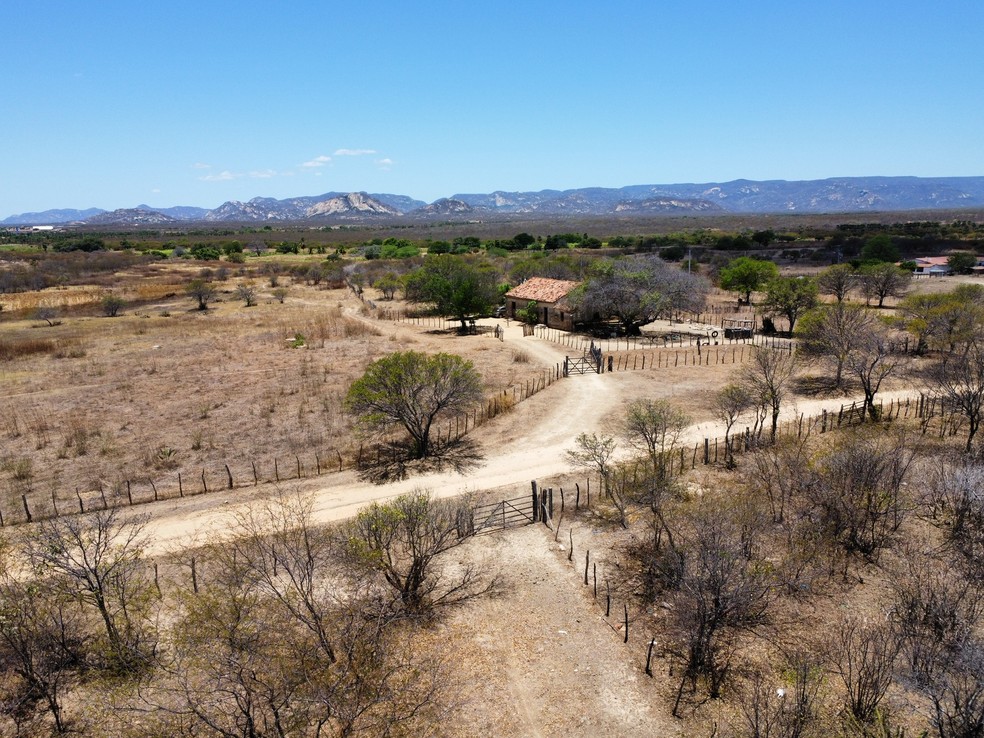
{"type": "Point", "coordinates": [536, 506]}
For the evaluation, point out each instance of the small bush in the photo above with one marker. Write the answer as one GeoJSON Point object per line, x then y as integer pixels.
{"type": "Point", "coordinates": [112, 305]}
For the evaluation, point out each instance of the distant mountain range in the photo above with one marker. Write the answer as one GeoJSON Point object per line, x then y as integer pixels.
{"type": "Point", "coordinates": [839, 195]}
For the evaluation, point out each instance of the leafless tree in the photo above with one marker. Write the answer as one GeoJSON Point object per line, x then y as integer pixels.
{"type": "Point", "coordinates": [958, 694]}
{"type": "Point", "coordinates": [724, 591]}
{"type": "Point", "coordinates": [859, 493]}
{"type": "Point", "coordinates": [42, 647]}
{"type": "Point", "coordinates": [638, 289]}
{"type": "Point", "coordinates": [832, 332]}
{"type": "Point", "coordinates": [593, 451]}
{"type": "Point", "coordinates": [872, 361]}
{"type": "Point", "coordinates": [246, 291]}
{"type": "Point", "coordinates": [783, 474]}
{"type": "Point", "coordinates": [955, 501]}
{"type": "Point", "coordinates": [783, 703]}
{"type": "Point", "coordinates": [96, 558]}
{"type": "Point", "coordinates": [936, 608]}
{"type": "Point", "coordinates": [653, 425]}
{"type": "Point", "coordinates": [863, 654]}
{"type": "Point", "coordinates": [730, 403]}
{"type": "Point", "coordinates": [769, 377]}
{"type": "Point", "coordinates": [48, 314]}
{"type": "Point", "coordinates": [202, 291]}
{"type": "Point", "coordinates": [958, 380]}
{"type": "Point", "coordinates": [283, 639]}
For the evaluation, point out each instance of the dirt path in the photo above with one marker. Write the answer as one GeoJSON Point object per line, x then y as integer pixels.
{"type": "Point", "coordinates": [540, 657]}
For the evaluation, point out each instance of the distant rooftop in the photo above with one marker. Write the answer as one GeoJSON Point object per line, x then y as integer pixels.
{"type": "Point", "coordinates": [542, 289]}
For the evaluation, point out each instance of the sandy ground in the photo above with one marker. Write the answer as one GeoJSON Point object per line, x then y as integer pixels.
{"type": "Point", "coordinates": [541, 659]}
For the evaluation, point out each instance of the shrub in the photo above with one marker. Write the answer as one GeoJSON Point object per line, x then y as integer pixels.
{"type": "Point", "coordinates": [112, 305]}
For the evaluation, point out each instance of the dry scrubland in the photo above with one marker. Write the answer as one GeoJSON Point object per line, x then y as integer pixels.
{"type": "Point", "coordinates": [93, 401]}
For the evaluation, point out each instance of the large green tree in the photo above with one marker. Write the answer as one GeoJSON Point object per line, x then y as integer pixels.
{"type": "Point", "coordinates": [458, 287]}
{"type": "Point", "coordinates": [790, 297]}
{"type": "Point", "coordinates": [880, 248]}
{"type": "Point", "coordinates": [747, 275]}
{"type": "Point", "coordinates": [412, 390]}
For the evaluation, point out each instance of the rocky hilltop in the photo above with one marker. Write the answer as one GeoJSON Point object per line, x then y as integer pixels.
{"type": "Point", "coordinates": [838, 195]}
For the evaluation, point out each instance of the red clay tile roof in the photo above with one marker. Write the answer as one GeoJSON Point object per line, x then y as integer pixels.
{"type": "Point", "coordinates": [542, 289]}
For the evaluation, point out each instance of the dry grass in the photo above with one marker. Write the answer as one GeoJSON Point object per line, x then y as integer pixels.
{"type": "Point", "coordinates": [166, 389]}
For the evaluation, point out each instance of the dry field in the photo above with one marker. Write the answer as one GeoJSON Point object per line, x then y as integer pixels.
{"type": "Point", "coordinates": [163, 389]}
{"type": "Point", "coordinates": [166, 388]}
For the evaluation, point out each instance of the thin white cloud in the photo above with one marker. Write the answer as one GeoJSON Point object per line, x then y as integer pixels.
{"type": "Point", "coordinates": [354, 152]}
{"type": "Point", "coordinates": [225, 176]}
{"type": "Point", "coordinates": [200, 165]}
{"type": "Point", "coordinates": [263, 174]}
{"type": "Point", "coordinates": [318, 161]}
{"type": "Point", "coordinates": [384, 163]}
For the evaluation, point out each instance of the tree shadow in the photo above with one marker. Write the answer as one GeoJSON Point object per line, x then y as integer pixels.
{"type": "Point", "coordinates": [820, 386]}
{"type": "Point", "coordinates": [392, 461]}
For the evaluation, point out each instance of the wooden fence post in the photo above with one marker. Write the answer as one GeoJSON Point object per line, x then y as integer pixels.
{"type": "Point", "coordinates": [649, 657]}
{"type": "Point", "coordinates": [229, 474]}
{"type": "Point", "coordinates": [587, 558]}
{"type": "Point", "coordinates": [27, 510]}
{"type": "Point", "coordinates": [536, 506]}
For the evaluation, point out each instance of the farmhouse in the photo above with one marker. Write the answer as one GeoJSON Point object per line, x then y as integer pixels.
{"type": "Point", "coordinates": [550, 296]}
{"type": "Point", "coordinates": [931, 266]}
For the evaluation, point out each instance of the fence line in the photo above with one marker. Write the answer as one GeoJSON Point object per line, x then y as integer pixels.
{"type": "Point", "coordinates": [924, 408]}
{"type": "Point", "coordinates": [705, 356]}
{"type": "Point", "coordinates": [655, 343]}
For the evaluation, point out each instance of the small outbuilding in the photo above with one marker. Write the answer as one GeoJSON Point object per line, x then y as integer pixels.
{"type": "Point", "coordinates": [551, 298]}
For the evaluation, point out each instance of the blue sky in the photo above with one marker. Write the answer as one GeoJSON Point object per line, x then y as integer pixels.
{"type": "Point", "coordinates": [114, 104]}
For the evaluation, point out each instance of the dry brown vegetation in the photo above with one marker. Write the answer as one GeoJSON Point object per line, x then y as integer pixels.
{"type": "Point", "coordinates": [842, 569]}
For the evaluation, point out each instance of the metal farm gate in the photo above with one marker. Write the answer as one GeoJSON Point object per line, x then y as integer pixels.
{"type": "Point", "coordinates": [490, 516]}
{"type": "Point", "coordinates": [590, 362]}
